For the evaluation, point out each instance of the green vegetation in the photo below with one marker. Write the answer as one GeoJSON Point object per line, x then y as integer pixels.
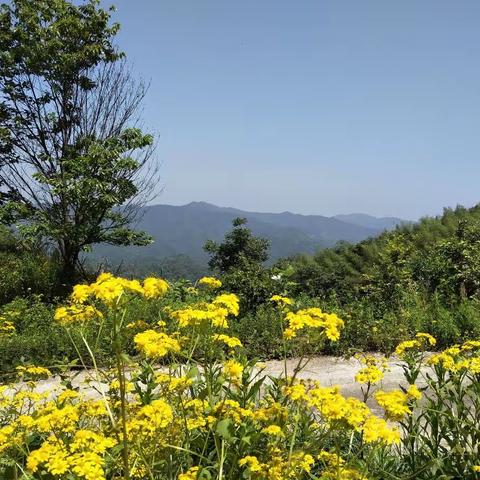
{"type": "Point", "coordinates": [424, 276]}
{"type": "Point", "coordinates": [69, 153]}
{"type": "Point", "coordinates": [213, 413]}
{"type": "Point", "coordinates": [74, 174]}
{"type": "Point", "coordinates": [421, 277]}
{"type": "Point", "coordinates": [25, 269]}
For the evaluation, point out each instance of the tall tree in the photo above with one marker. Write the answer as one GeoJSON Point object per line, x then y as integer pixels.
{"type": "Point", "coordinates": [239, 249]}
{"type": "Point", "coordinates": [72, 159]}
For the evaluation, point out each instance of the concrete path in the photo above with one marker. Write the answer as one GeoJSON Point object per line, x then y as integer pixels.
{"type": "Point", "coordinates": [331, 371]}
{"type": "Point", "coordinates": [327, 370]}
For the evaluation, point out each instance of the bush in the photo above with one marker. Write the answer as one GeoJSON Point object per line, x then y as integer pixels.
{"type": "Point", "coordinates": [260, 332]}
{"type": "Point", "coordinates": [37, 339]}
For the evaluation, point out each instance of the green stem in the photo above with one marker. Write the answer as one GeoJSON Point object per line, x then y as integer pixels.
{"type": "Point", "coordinates": [222, 459]}
{"type": "Point", "coordinates": [123, 400]}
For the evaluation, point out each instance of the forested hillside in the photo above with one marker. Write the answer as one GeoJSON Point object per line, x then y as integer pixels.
{"type": "Point", "coordinates": [436, 255]}
{"type": "Point", "coordinates": [423, 276]}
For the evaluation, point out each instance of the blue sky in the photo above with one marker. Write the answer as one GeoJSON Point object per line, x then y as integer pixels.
{"type": "Point", "coordinates": [313, 106]}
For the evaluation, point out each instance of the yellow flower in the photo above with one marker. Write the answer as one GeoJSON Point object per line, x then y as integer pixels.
{"type": "Point", "coordinates": [150, 418]}
{"type": "Point", "coordinates": [421, 341]}
{"type": "Point", "coordinates": [210, 282]}
{"type": "Point", "coordinates": [395, 403]}
{"type": "Point", "coordinates": [52, 454]}
{"type": "Point", "coordinates": [377, 430]}
{"type": "Point", "coordinates": [228, 300]}
{"type": "Point", "coordinates": [52, 418]}
{"type": "Point", "coordinates": [280, 300]}
{"type": "Point", "coordinates": [83, 456]}
{"type": "Point", "coordinates": [154, 287]}
{"type": "Point", "coordinates": [427, 338]}
{"type": "Point", "coordinates": [7, 327]}
{"type": "Point", "coordinates": [80, 293]}
{"type": "Point", "coordinates": [231, 342]}
{"type": "Point", "coordinates": [273, 430]}
{"type": "Point", "coordinates": [414, 392]}
{"type": "Point", "coordinates": [67, 395]}
{"type": "Point", "coordinates": [214, 313]}
{"type": "Point", "coordinates": [336, 468]}
{"type": "Point", "coordinates": [109, 289]}
{"type": "Point", "coordinates": [251, 462]}
{"type": "Point", "coordinates": [76, 314]}
{"type": "Point", "coordinates": [233, 370]}
{"type": "Point", "coordinates": [370, 374]}
{"type": "Point", "coordinates": [173, 383]}
{"type": "Point", "coordinates": [313, 318]}
{"type": "Point", "coordinates": [296, 392]}
{"type": "Point", "coordinates": [191, 474]}
{"type": "Point", "coordinates": [232, 409]}
{"type": "Point", "coordinates": [156, 344]}
{"type": "Point", "coordinates": [33, 371]}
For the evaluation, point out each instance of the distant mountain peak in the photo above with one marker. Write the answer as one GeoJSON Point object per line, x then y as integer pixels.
{"type": "Point", "coordinates": [183, 230]}
{"type": "Point", "coordinates": [200, 204]}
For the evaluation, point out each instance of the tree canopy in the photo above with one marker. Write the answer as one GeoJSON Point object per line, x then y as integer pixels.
{"type": "Point", "coordinates": [239, 249]}
{"type": "Point", "coordinates": [71, 155]}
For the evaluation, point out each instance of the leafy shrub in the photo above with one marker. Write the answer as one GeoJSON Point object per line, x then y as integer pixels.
{"type": "Point", "coordinates": [37, 339]}
{"type": "Point", "coordinates": [260, 332]}
{"type": "Point", "coordinates": [25, 270]}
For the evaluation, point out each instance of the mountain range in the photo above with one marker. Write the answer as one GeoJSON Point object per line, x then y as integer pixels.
{"type": "Point", "coordinates": [181, 231]}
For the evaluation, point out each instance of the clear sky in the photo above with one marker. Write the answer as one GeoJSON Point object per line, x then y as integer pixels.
{"type": "Point", "coordinates": [312, 106]}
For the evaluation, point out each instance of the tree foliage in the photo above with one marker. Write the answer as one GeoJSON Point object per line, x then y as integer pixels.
{"type": "Point", "coordinates": [239, 259]}
{"type": "Point", "coordinates": [436, 256]}
{"type": "Point", "coordinates": [71, 154]}
{"type": "Point", "coordinates": [239, 249]}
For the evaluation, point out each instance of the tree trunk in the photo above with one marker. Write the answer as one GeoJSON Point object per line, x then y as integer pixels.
{"type": "Point", "coordinates": [68, 269]}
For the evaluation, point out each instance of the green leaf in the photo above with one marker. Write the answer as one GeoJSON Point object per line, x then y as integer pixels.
{"type": "Point", "coordinates": [223, 428]}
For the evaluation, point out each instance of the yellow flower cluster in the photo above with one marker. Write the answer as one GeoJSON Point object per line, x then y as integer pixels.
{"type": "Point", "coordinates": [150, 419]}
{"type": "Point", "coordinates": [459, 358]}
{"type": "Point", "coordinates": [273, 430]}
{"type": "Point", "coordinates": [82, 456]}
{"type": "Point", "coordinates": [7, 327]}
{"type": "Point", "coordinates": [278, 467]}
{"type": "Point", "coordinates": [373, 370]}
{"type": "Point", "coordinates": [233, 370]}
{"type": "Point", "coordinates": [76, 314]}
{"type": "Point", "coordinates": [214, 313]}
{"type": "Point", "coordinates": [336, 468]}
{"type": "Point", "coordinates": [169, 383]}
{"type": "Point", "coordinates": [229, 301]}
{"type": "Point", "coordinates": [33, 371]}
{"type": "Point", "coordinates": [281, 301]}
{"type": "Point", "coordinates": [347, 412]}
{"type": "Point", "coordinates": [212, 410]}
{"type": "Point", "coordinates": [191, 474]}
{"type": "Point", "coordinates": [210, 282]}
{"type": "Point", "coordinates": [313, 318]}
{"type": "Point", "coordinates": [396, 403]}
{"type": "Point", "coordinates": [156, 344]}
{"type": "Point", "coordinates": [419, 343]}
{"type": "Point", "coordinates": [108, 289]}
{"type": "Point", "coordinates": [231, 342]}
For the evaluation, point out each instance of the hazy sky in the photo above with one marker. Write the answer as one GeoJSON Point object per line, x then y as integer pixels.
{"type": "Point", "coordinates": [312, 106]}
